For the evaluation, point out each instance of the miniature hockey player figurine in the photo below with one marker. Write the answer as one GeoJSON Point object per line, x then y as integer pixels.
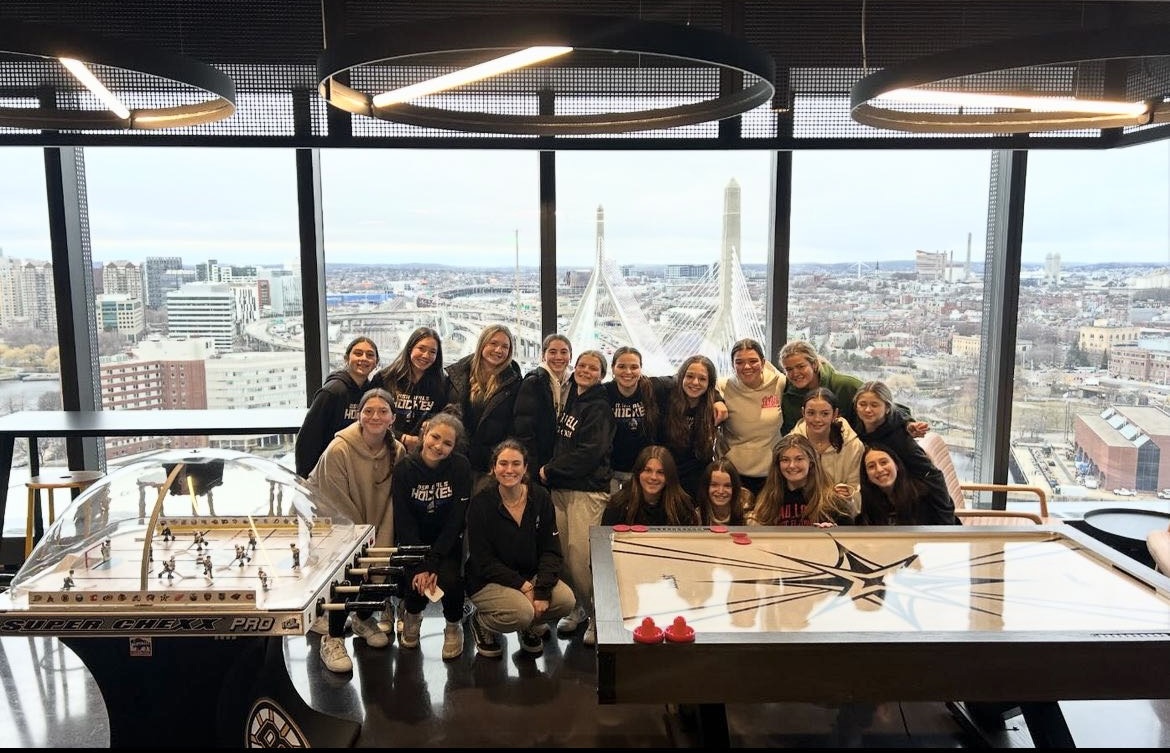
{"type": "Point", "coordinates": [105, 549]}
{"type": "Point", "coordinates": [168, 569]}
{"type": "Point", "coordinates": [263, 579]}
{"type": "Point", "coordinates": [252, 540]}
{"type": "Point", "coordinates": [167, 534]}
{"type": "Point", "coordinates": [296, 556]}
{"type": "Point", "coordinates": [241, 554]}
{"type": "Point", "coordinates": [207, 565]}
{"type": "Point", "coordinates": [68, 584]}
{"type": "Point", "coordinates": [199, 541]}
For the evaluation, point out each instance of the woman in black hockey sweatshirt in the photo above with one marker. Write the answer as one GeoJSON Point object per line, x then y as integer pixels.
{"type": "Point", "coordinates": [335, 404]}
{"type": "Point", "coordinates": [430, 492]}
{"type": "Point", "coordinates": [578, 476]}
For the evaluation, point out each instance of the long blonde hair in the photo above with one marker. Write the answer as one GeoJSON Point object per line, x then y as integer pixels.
{"type": "Point", "coordinates": [821, 504]}
{"type": "Point", "coordinates": [484, 379]}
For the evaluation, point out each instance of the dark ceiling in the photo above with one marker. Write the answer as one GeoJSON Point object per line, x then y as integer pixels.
{"type": "Point", "coordinates": [821, 48]}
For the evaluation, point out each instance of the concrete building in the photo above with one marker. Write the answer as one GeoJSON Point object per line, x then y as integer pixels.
{"type": "Point", "coordinates": [121, 313]}
{"type": "Point", "coordinates": [1102, 337]}
{"type": "Point", "coordinates": [124, 278]}
{"type": "Point", "coordinates": [154, 284]}
{"type": "Point", "coordinates": [203, 310]}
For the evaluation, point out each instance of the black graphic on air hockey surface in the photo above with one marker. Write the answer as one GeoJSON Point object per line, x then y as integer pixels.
{"type": "Point", "coordinates": [828, 581]}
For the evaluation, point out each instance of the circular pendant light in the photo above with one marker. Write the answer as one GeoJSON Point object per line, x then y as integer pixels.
{"type": "Point", "coordinates": [482, 84]}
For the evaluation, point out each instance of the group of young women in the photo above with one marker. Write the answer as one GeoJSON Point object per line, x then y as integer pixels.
{"type": "Point", "coordinates": [523, 465]}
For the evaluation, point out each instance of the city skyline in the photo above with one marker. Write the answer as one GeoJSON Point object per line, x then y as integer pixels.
{"type": "Point", "coordinates": [847, 206]}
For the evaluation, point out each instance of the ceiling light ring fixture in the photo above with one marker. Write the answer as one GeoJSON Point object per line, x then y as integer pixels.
{"type": "Point", "coordinates": [412, 42]}
{"type": "Point", "coordinates": [57, 42]}
{"type": "Point", "coordinates": [1048, 49]}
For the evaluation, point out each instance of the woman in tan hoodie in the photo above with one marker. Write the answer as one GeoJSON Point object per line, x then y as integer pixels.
{"type": "Point", "coordinates": [352, 479]}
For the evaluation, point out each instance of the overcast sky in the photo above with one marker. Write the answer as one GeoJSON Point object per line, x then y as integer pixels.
{"type": "Point", "coordinates": [474, 207]}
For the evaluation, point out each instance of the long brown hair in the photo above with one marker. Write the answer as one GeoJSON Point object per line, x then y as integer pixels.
{"type": "Point", "coordinates": [644, 389]}
{"type": "Point", "coordinates": [699, 437]}
{"type": "Point", "coordinates": [740, 497]}
{"type": "Point", "coordinates": [679, 507]}
{"type": "Point", "coordinates": [821, 504]}
{"type": "Point", "coordinates": [484, 379]}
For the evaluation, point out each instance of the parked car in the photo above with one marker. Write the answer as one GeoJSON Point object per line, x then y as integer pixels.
{"type": "Point", "coordinates": [1164, 494]}
{"type": "Point", "coordinates": [1123, 492]}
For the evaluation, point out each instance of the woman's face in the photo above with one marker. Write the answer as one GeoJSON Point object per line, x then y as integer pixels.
{"type": "Point", "coordinates": [627, 369]}
{"type": "Point", "coordinates": [794, 466]}
{"type": "Point", "coordinates": [719, 489]}
{"type": "Point", "coordinates": [496, 351]}
{"type": "Point", "coordinates": [362, 359]}
{"type": "Point", "coordinates": [376, 416]}
{"type": "Point", "coordinates": [881, 469]}
{"type": "Point", "coordinates": [423, 355]}
{"type": "Point", "coordinates": [871, 409]}
{"type": "Point", "coordinates": [437, 443]}
{"type": "Point", "coordinates": [819, 417]}
{"type": "Point", "coordinates": [652, 477]}
{"type": "Point", "coordinates": [801, 373]}
{"type": "Point", "coordinates": [749, 367]}
{"type": "Point", "coordinates": [509, 468]}
{"type": "Point", "coordinates": [695, 381]}
{"type": "Point", "coordinates": [587, 372]}
{"type": "Point", "coordinates": [557, 356]}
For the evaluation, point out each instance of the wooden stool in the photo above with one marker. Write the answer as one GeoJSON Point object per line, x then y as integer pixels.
{"type": "Point", "coordinates": [63, 479]}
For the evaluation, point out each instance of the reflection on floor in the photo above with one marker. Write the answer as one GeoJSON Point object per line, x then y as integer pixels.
{"type": "Point", "coordinates": [411, 698]}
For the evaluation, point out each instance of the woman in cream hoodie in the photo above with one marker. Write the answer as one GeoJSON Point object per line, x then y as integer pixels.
{"type": "Point", "coordinates": [353, 480]}
{"type": "Point", "coordinates": [753, 420]}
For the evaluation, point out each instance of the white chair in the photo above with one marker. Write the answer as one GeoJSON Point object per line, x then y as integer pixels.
{"type": "Point", "coordinates": [939, 454]}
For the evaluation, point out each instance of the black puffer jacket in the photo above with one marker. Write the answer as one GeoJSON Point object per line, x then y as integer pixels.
{"type": "Point", "coordinates": [489, 422]}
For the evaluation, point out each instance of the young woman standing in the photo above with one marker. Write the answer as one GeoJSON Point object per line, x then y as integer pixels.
{"type": "Point", "coordinates": [541, 399]}
{"type": "Point", "coordinates": [335, 404]}
{"type": "Point", "coordinates": [578, 475]}
{"type": "Point", "coordinates": [418, 383]}
{"type": "Point", "coordinates": [483, 389]}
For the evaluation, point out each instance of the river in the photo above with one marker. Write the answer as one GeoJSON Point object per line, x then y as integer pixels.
{"type": "Point", "coordinates": [16, 395]}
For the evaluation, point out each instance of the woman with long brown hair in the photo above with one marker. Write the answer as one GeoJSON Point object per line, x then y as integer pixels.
{"type": "Point", "coordinates": [483, 394]}
{"type": "Point", "coordinates": [797, 492]}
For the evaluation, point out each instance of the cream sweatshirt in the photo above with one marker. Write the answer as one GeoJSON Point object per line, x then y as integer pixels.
{"type": "Point", "coordinates": [753, 421]}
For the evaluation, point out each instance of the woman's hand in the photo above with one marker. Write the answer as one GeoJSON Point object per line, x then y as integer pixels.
{"type": "Point", "coordinates": [424, 582]}
{"type": "Point", "coordinates": [917, 429]}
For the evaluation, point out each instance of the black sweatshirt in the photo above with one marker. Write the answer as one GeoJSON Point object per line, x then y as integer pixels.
{"type": "Point", "coordinates": [430, 505]}
{"type": "Point", "coordinates": [500, 551]}
{"type": "Point", "coordinates": [334, 407]}
{"type": "Point", "coordinates": [580, 460]}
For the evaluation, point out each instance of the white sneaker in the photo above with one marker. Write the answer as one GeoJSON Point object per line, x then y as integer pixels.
{"type": "Point", "coordinates": [320, 625]}
{"type": "Point", "coordinates": [368, 629]}
{"type": "Point", "coordinates": [411, 627]}
{"type": "Point", "coordinates": [334, 656]}
{"type": "Point", "coordinates": [569, 622]}
{"type": "Point", "coordinates": [387, 622]}
{"type": "Point", "coordinates": [452, 640]}
{"type": "Point", "coordinates": [590, 637]}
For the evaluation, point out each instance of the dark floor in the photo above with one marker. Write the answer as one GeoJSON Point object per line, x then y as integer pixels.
{"type": "Point", "coordinates": [411, 698]}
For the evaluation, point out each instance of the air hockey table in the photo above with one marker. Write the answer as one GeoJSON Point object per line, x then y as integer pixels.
{"type": "Point", "coordinates": [980, 614]}
{"type": "Point", "coordinates": [180, 613]}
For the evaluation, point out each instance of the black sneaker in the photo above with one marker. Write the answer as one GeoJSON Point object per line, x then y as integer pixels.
{"type": "Point", "coordinates": [531, 642]}
{"type": "Point", "coordinates": [487, 642]}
